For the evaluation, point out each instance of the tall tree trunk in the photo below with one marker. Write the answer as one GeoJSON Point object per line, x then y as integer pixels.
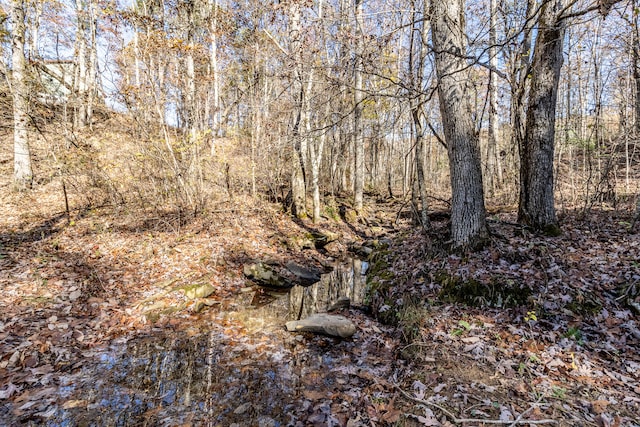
{"type": "Point", "coordinates": [536, 206]}
{"type": "Point", "coordinates": [298, 186]}
{"type": "Point", "coordinates": [82, 69]}
{"type": "Point", "coordinates": [34, 48]}
{"type": "Point", "coordinates": [316, 151]}
{"type": "Point", "coordinates": [190, 114]}
{"type": "Point", "coordinates": [468, 216]}
{"type": "Point", "coordinates": [494, 169]}
{"type": "Point", "coordinates": [215, 75]}
{"type": "Point", "coordinates": [22, 173]}
{"type": "Point", "coordinates": [136, 59]}
{"type": "Point", "coordinates": [635, 53]}
{"type": "Point", "coordinates": [192, 124]}
{"type": "Point", "coordinates": [357, 114]}
{"type": "Point", "coordinates": [521, 61]}
{"type": "Point", "coordinates": [316, 145]}
{"type": "Point", "coordinates": [92, 77]}
{"type": "Point", "coordinates": [416, 64]}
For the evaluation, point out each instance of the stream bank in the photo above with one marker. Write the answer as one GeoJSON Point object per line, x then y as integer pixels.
{"type": "Point", "coordinates": [239, 367]}
{"type": "Point", "coordinates": [101, 326]}
{"type": "Point", "coordinates": [73, 320]}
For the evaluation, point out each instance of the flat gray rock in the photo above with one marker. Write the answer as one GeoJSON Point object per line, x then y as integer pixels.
{"type": "Point", "coordinates": [265, 275]}
{"type": "Point", "coordinates": [305, 276]}
{"type": "Point", "coordinates": [323, 323]}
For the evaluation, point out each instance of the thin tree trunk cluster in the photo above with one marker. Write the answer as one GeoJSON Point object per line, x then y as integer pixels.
{"type": "Point", "coordinates": [331, 98]}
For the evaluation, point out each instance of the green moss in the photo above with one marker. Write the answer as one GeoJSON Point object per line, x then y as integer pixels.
{"type": "Point", "coordinates": [552, 230]}
{"type": "Point", "coordinates": [332, 211]}
{"type": "Point", "coordinates": [497, 293]}
{"type": "Point", "coordinates": [155, 315]}
{"type": "Point", "coordinates": [351, 215]}
{"type": "Point", "coordinates": [380, 280]}
{"type": "Point", "coordinates": [585, 305]}
{"type": "Point", "coordinates": [574, 333]}
{"type": "Point", "coordinates": [301, 241]}
{"type": "Point", "coordinates": [378, 262]}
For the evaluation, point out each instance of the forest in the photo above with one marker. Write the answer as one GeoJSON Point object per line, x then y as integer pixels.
{"type": "Point", "coordinates": [320, 212]}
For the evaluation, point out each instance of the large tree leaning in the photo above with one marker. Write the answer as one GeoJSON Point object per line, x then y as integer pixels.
{"type": "Point", "coordinates": [536, 207]}
{"type": "Point", "coordinates": [468, 215]}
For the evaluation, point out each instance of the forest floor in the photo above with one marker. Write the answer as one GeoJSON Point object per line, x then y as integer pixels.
{"type": "Point", "coordinates": [559, 346]}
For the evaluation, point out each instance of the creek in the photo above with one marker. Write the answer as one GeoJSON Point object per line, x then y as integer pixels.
{"type": "Point", "coordinates": [238, 366]}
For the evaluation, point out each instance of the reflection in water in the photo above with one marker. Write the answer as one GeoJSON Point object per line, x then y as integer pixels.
{"type": "Point", "coordinates": [228, 375]}
{"type": "Point", "coordinates": [346, 280]}
{"type": "Point", "coordinates": [172, 381]}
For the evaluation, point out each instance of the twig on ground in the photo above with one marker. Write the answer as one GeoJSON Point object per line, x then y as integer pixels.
{"type": "Point", "coordinates": [525, 412]}
{"type": "Point", "coordinates": [457, 420]}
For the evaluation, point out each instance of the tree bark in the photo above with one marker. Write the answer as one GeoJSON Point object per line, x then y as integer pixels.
{"type": "Point", "coordinates": [494, 169]}
{"type": "Point", "coordinates": [92, 78]}
{"type": "Point", "coordinates": [416, 64]}
{"type": "Point", "coordinates": [22, 172]}
{"type": "Point", "coordinates": [536, 207]}
{"type": "Point", "coordinates": [357, 111]}
{"type": "Point", "coordinates": [192, 125]}
{"type": "Point", "coordinates": [215, 74]}
{"type": "Point", "coordinates": [81, 75]}
{"type": "Point", "coordinates": [468, 215]}
{"type": "Point", "coordinates": [635, 53]}
{"type": "Point", "coordinates": [521, 61]}
{"type": "Point", "coordinates": [34, 48]}
{"type": "Point", "coordinates": [298, 185]}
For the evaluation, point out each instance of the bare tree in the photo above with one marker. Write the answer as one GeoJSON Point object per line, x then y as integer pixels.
{"type": "Point", "coordinates": [537, 149]}
{"type": "Point", "coordinates": [298, 187]}
{"type": "Point", "coordinates": [214, 70]}
{"type": "Point", "coordinates": [417, 55]}
{"type": "Point", "coordinates": [357, 116]}
{"type": "Point", "coordinates": [536, 207]}
{"type": "Point", "coordinates": [494, 168]}
{"type": "Point", "coordinates": [635, 56]}
{"type": "Point", "coordinates": [468, 217]}
{"type": "Point", "coordinates": [22, 171]}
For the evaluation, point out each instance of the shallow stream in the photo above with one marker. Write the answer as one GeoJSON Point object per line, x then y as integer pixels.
{"type": "Point", "coordinates": [238, 366]}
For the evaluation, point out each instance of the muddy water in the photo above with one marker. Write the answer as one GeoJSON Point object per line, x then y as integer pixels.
{"type": "Point", "coordinates": [237, 367]}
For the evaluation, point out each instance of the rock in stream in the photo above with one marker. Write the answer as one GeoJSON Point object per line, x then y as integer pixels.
{"type": "Point", "coordinates": [323, 323]}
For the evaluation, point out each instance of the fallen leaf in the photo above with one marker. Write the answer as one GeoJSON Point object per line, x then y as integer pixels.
{"type": "Point", "coordinates": [599, 406]}
{"type": "Point", "coordinates": [314, 394]}
{"type": "Point", "coordinates": [439, 387]}
{"type": "Point", "coordinates": [429, 419]}
{"type": "Point", "coordinates": [603, 420]}
{"type": "Point", "coordinates": [8, 391]}
{"type": "Point", "coordinates": [392, 415]}
{"type": "Point", "coordinates": [74, 404]}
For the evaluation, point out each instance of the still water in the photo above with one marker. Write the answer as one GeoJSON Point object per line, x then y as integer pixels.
{"type": "Point", "coordinates": [239, 366]}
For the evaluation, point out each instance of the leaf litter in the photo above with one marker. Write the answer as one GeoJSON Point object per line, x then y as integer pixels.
{"type": "Point", "coordinates": [93, 317]}
{"type": "Point", "coordinates": [568, 356]}
{"type": "Point", "coordinates": [99, 326]}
